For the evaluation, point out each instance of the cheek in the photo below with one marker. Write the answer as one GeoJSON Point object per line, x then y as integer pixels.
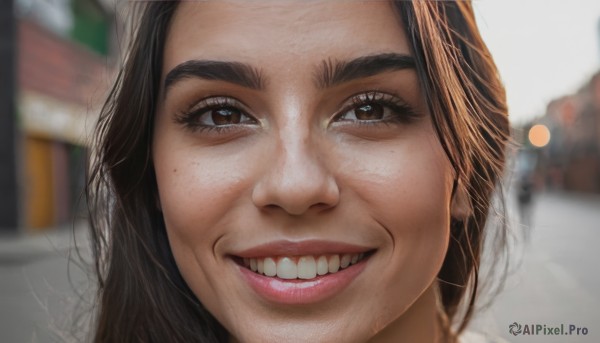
{"type": "Point", "coordinates": [202, 192]}
{"type": "Point", "coordinates": [195, 195]}
{"type": "Point", "coordinates": [406, 188]}
{"type": "Point", "coordinates": [201, 189]}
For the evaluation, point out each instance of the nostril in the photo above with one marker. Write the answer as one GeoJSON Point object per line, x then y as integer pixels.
{"type": "Point", "coordinates": [323, 206]}
{"type": "Point", "coordinates": [271, 207]}
{"type": "Point", "coordinates": [297, 203]}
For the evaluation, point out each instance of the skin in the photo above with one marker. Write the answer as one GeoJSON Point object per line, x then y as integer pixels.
{"type": "Point", "coordinates": [297, 172]}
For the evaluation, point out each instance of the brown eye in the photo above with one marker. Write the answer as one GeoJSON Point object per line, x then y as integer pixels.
{"type": "Point", "coordinates": [226, 116]}
{"type": "Point", "coordinates": [224, 113]}
{"type": "Point", "coordinates": [374, 108]}
{"type": "Point", "coordinates": [369, 112]}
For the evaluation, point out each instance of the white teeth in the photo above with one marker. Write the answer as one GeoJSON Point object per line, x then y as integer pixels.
{"type": "Point", "coordinates": [270, 267]}
{"type": "Point", "coordinates": [322, 267]}
{"type": "Point", "coordinates": [344, 262]}
{"type": "Point", "coordinates": [334, 263]}
{"type": "Point", "coordinates": [301, 267]}
{"type": "Point", "coordinates": [286, 268]}
{"type": "Point", "coordinates": [307, 268]}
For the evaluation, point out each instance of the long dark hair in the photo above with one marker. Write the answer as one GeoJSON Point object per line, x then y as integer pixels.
{"type": "Point", "coordinates": [467, 102]}
{"type": "Point", "coordinates": [142, 296]}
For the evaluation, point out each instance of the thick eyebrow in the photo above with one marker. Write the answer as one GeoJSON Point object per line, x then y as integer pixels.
{"type": "Point", "coordinates": [232, 72]}
{"type": "Point", "coordinates": [333, 73]}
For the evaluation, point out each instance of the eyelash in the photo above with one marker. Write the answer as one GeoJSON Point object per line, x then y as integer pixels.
{"type": "Point", "coordinates": [402, 113]}
{"type": "Point", "coordinates": [189, 118]}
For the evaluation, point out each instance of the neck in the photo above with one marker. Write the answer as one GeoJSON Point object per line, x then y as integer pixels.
{"type": "Point", "coordinates": [420, 323]}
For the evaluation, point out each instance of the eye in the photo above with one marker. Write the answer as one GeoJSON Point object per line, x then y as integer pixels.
{"type": "Point", "coordinates": [215, 113]}
{"type": "Point", "coordinates": [375, 107]}
{"type": "Point", "coordinates": [367, 112]}
{"type": "Point", "coordinates": [221, 116]}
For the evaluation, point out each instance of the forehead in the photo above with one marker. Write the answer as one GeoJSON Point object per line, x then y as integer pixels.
{"type": "Point", "coordinates": [271, 34]}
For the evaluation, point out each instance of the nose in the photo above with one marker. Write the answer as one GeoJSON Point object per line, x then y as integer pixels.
{"type": "Point", "coordinates": [296, 179]}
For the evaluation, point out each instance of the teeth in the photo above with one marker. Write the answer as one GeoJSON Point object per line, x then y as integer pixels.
{"type": "Point", "coordinates": [270, 267]}
{"type": "Point", "coordinates": [307, 267]}
{"type": "Point", "coordinates": [334, 263]}
{"type": "Point", "coordinates": [301, 267]}
{"type": "Point", "coordinates": [260, 266]}
{"type": "Point", "coordinates": [344, 262]}
{"type": "Point", "coordinates": [286, 268]}
{"type": "Point", "coordinates": [322, 267]}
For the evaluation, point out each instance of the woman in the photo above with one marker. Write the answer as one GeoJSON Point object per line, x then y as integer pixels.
{"type": "Point", "coordinates": [293, 171]}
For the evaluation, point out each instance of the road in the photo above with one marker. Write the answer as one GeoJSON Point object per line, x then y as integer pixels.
{"type": "Point", "coordinates": [555, 273]}
{"type": "Point", "coordinates": [555, 280]}
{"type": "Point", "coordinates": [44, 291]}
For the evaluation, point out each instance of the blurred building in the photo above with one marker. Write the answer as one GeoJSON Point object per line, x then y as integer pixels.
{"type": "Point", "coordinates": [63, 50]}
{"type": "Point", "coordinates": [571, 160]}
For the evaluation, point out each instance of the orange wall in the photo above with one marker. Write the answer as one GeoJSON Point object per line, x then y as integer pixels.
{"type": "Point", "coordinates": [39, 190]}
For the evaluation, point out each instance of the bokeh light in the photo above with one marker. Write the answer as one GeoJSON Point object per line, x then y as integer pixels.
{"type": "Point", "coordinates": [539, 135]}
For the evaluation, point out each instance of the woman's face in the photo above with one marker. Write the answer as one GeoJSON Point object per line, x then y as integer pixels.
{"type": "Point", "coordinates": [305, 194]}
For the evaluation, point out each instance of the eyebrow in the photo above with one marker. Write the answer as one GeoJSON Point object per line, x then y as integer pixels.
{"type": "Point", "coordinates": [232, 72]}
{"type": "Point", "coordinates": [333, 73]}
{"type": "Point", "coordinates": [330, 74]}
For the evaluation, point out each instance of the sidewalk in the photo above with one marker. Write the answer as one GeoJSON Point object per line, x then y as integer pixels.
{"type": "Point", "coordinates": [46, 294]}
{"type": "Point", "coordinates": [24, 248]}
{"type": "Point", "coordinates": [557, 279]}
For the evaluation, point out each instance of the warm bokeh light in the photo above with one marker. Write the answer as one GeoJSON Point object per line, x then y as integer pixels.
{"type": "Point", "coordinates": [539, 135]}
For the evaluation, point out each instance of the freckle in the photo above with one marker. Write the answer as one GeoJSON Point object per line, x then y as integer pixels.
{"type": "Point", "coordinates": [175, 170]}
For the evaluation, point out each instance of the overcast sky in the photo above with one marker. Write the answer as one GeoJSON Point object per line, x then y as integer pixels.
{"type": "Point", "coordinates": [543, 48]}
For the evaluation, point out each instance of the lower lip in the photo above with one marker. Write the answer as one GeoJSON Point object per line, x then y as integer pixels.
{"type": "Point", "coordinates": [298, 291]}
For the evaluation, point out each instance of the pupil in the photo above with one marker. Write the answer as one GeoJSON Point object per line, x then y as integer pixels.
{"type": "Point", "coordinates": [226, 116]}
{"type": "Point", "coordinates": [369, 112]}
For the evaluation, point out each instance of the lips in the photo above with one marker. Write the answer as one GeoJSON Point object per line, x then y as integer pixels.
{"type": "Point", "coordinates": [301, 272]}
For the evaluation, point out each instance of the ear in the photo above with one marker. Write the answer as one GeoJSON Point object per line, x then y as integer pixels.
{"type": "Point", "coordinates": [460, 206]}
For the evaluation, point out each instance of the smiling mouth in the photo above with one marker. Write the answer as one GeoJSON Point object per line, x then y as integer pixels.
{"type": "Point", "coordinates": [305, 267]}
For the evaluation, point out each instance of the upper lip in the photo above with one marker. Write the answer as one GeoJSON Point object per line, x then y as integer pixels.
{"type": "Point", "coordinates": [301, 248]}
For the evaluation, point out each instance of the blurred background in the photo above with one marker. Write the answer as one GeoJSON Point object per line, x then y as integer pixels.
{"type": "Point", "coordinates": [57, 61]}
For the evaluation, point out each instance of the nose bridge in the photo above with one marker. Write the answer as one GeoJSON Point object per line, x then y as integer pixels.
{"type": "Point", "coordinates": [298, 159]}
{"type": "Point", "coordinates": [297, 178]}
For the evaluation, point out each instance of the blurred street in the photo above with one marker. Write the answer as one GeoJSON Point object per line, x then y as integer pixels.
{"type": "Point", "coordinates": [557, 279]}
{"type": "Point", "coordinates": [40, 284]}
{"type": "Point", "coordinates": [557, 282]}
